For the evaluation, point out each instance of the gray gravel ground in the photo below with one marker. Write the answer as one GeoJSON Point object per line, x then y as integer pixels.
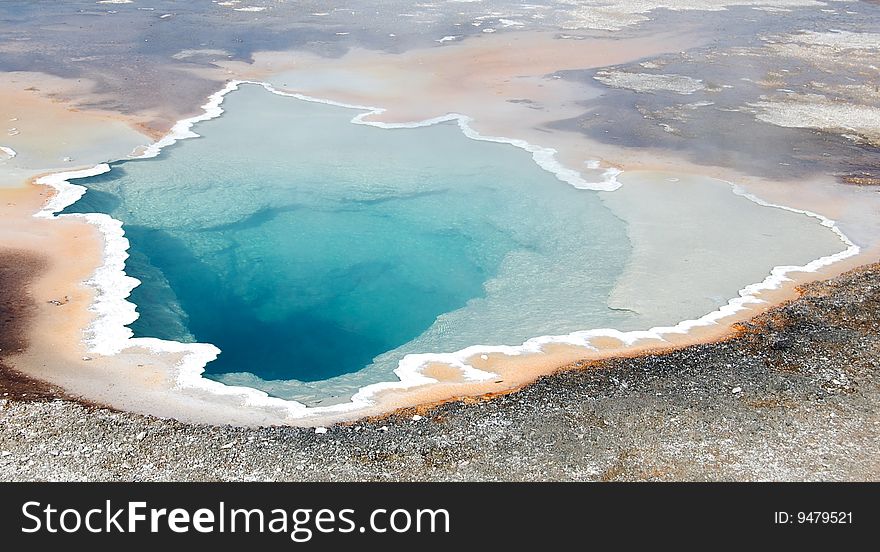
{"type": "Point", "coordinates": [793, 397]}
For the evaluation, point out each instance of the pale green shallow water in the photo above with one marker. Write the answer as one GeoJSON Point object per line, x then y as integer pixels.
{"type": "Point", "coordinates": [316, 253]}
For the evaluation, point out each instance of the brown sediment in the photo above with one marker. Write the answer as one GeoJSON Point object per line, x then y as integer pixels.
{"type": "Point", "coordinates": [44, 263]}
{"type": "Point", "coordinates": [156, 130]}
{"type": "Point", "coordinates": [17, 270]}
{"type": "Point", "coordinates": [17, 309]}
{"type": "Point", "coordinates": [860, 180]}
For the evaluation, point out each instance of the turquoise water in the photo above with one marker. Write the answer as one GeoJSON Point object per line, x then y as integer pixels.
{"type": "Point", "coordinates": [315, 253]}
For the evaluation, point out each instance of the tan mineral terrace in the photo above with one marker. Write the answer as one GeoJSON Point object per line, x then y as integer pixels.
{"type": "Point", "coordinates": [470, 77]}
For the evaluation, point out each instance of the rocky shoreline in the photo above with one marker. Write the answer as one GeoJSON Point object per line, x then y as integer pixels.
{"type": "Point", "coordinates": [794, 395]}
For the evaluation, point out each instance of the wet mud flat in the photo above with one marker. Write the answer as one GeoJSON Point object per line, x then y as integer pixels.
{"type": "Point", "coordinates": [794, 395]}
